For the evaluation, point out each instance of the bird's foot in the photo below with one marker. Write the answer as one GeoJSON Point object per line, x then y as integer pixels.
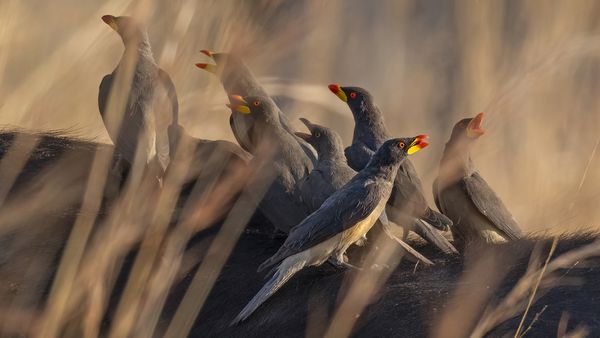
{"type": "Point", "coordinates": [342, 263]}
{"type": "Point", "coordinates": [362, 241]}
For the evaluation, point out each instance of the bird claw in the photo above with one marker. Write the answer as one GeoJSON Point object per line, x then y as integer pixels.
{"type": "Point", "coordinates": [341, 264]}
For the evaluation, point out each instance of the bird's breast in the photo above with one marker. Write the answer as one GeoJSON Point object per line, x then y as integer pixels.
{"type": "Point", "coordinates": [357, 231]}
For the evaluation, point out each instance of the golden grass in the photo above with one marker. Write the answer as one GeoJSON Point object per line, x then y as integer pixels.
{"type": "Point", "coordinates": [533, 67]}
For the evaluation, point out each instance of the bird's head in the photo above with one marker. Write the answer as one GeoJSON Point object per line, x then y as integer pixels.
{"type": "Point", "coordinates": [260, 108]}
{"type": "Point", "coordinates": [127, 27]}
{"type": "Point", "coordinates": [467, 130]}
{"type": "Point", "coordinates": [358, 99]}
{"type": "Point", "coordinates": [321, 138]}
{"type": "Point", "coordinates": [393, 151]}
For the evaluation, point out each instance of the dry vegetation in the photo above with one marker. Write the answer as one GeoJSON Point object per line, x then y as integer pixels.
{"type": "Point", "coordinates": [533, 67]}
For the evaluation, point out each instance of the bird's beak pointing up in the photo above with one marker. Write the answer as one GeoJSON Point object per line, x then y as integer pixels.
{"type": "Point", "coordinates": [207, 67]}
{"type": "Point", "coordinates": [211, 68]}
{"type": "Point", "coordinates": [111, 22]}
{"type": "Point", "coordinates": [306, 137]}
{"type": "Point", "coordinates": [238, 104]}
{"type": "Point", "coordinates": [337, 90]}
{"type": "Point", "coordinates": [474, 129]}
{"type": "Point", "coordinates": [418, 144]}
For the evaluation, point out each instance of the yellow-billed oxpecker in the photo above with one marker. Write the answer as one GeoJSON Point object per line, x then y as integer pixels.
{"type": "Point", "coordinates": [407, 205]}
{"type": "Point", "coordinates": [152, 101]}
{"type": "Point", "coordinates": [331, 173]}
{"type": "Point", "coordinates": [287, 163]}
{"type": "Point", "coordinates": [237, 79]}
{"type": "Point", "coordinates": [462, 194]}
{"type": "Point", "coordinates": [343, 219]}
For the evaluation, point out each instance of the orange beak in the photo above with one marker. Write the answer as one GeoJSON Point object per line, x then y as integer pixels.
{"type": "Point", "coordinates": [474, 129]}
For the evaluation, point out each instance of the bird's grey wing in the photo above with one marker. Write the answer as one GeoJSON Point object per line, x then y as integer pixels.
{"type": "Point", "coordinates": [314, 189]}
{"type": "Point", "coordinates": [408, 189]}
{"type": "Point", "coordinates": [241, 132]}
{"type": "Point", "coordinates": [436, 197]}
{"type": "Point", "coordinates": [103, 93]}
{"type": "Point", "coordinates": [126, 139]}
{"type": "Point", "coordinates": [358, 155]}
{"type": "Point", "coordinates": [490, 205]}
{"type": "Point", "coordinates": [341, 211]}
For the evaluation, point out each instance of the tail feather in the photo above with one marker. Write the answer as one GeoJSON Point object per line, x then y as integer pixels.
{"type": "Point", "coordinates": [433, 236]}
{"type": "Point", "coordinates": [437, 220]}
{"type": "Point", "coordinates": [288, 268]}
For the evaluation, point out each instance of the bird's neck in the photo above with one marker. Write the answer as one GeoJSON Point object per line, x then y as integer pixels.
{"type": "Point", "coordinates": [369, 126]}
{"type": "Point", "coordinates": [456, 162]}
{"type": "Point", "coordinates": [140, 49]}
{"type": "Point", "coordinates": [382, 168]}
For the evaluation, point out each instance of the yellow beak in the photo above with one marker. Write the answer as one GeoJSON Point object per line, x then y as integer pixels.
{"type": "Point", "coordinates": [418, 144]}
{"type": "Point", "coordinates": [240, 108]}
{"type": "Point", "coordinates": [337, 90]}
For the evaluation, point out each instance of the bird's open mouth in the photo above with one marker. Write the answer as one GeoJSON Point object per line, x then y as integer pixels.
{"type": "Point", "coordinates": [418, 144]}
{"type": "Point", "coordinates": [474, 128]}
{"type": "Point", "coordinates": [337, 90]}
{"type": "Point", "coordinates": [238, 104]}
{"type": "Point", "coordinates": [305, 136]}
{"type": "Point", "coordinates": [209, 67]}
{"type": "Point", "coordinates": [110, 21]}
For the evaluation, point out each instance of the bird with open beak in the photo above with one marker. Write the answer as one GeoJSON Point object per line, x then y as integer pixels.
{"type": "Point", "coordinates": [461, 193]}
{"type": "Point", "coordinates": [237, 79]}
{"type": "Point", "coordinates": [286, 162]}
{"type": "Point", "coordinates": [407, 206]}
{"type": "Point", "coordinates": [343, 219]}
{"type": "Point", "coordinates": [151, 99]}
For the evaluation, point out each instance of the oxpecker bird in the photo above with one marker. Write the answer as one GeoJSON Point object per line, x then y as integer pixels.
{"type": "Point", "coordinates": [462, 194]}
{"type": "Point", "coordinates": [151, 99]}
{"type": "Point", "coordinates": [407, 205]}
{"type": "Point", "coordinates": [237, 79]}
{"type": "Point", "coordinates": [287, 163]}
{"type": "Point", "coordinates": [342, 220]}
{"type": "Point", "coordinates": [331, 173]}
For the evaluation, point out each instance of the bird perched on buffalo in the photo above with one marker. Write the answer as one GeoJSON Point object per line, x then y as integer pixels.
{"type": "Point", "coordinates": [331, 173]}
{"type": "Point", "coordinates": [407, 205]}
{"type": "Point", "coordinates": [342, 220]}
{"type": "Point", "coordinates": [462, 194]}
{"type": "Point", "coordinates": [151, 98]}
{"type": "Point", "coordinates": [286, 162]}
{"type": "Point", "coordinates": [237, 79]}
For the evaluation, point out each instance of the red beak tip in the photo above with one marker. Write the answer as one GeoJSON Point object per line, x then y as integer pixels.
{"type": "Point", "coordinates": [206, 52]}
{"type": "Point", "coordinates": [423, 144]}
{"type": "Point", "coordinates": [334, 88]}
{"type": "Point", "coordinates": [201, 65]}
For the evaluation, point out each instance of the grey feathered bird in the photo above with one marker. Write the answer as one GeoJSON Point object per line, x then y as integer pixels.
{"type": "Point", "coordinates": [237, 79]}
{"type": "Point", "coordinates": [341, 221]}
{"type": "Point", "coordinates": [407, 205]}
{"type": "Point", "coordinates": [287, 162]}
{"type": "Point", "coordinates": [152, 100]}
{"type": "Point", "coordinates": [331, 173]}
{"type": "Point", "coordinates": [462, 194]}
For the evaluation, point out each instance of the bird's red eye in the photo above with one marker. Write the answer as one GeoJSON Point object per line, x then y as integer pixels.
{"type": "Point", "coordinates": [256, 103]}
{"type": "Point", "coordinates": [401, 145]}
{"type": "Point", "coordinates": [353, 95]}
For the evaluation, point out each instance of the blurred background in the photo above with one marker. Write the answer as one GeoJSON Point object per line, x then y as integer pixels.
{"type": "Point", "coordinates": [533, 67]}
